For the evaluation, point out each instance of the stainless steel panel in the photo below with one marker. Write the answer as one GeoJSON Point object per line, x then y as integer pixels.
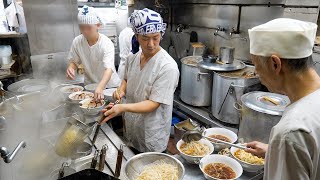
{"type": "Point", "coordinates": [227, 17]}
{"type": "Point", "coordinates": [235, 1]}
{"type": "Point", "coordinates": [302, 3]}
{"type": "Point", "coordinates": [52, 25]}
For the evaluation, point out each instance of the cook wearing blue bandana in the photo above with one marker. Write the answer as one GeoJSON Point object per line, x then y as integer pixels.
{"type": "Point", "coordinates": [150, 79]}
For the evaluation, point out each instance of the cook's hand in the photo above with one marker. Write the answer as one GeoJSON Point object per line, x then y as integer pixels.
{"type": "Point", "coordinates": [98, 94]}
{"type": "Point", "coordinates": [71, 73]}
{"type": "Point", "coordinates": [118, 94]}
{"type": "Point", "coordinates": [111, 111]}
{"type": "Point", "coordinates": [257, 148]}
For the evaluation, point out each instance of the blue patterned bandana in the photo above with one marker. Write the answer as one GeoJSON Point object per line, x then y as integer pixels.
{"type": "Point", "coordinates": [146, 22]}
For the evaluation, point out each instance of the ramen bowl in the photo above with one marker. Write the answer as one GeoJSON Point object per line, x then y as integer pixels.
{"type": "Point", "coordinates": [194, 159]}
{"type": "Point", "coordinates": [220, 131]}
{"type": "Point", "coordinates": [137, 163]}
{"type": "Point", "coordinates": [246, 166]}
{"type": "Point", "coordinates": [67, 90]}
{"type": "Point", "coordinates": [75, 96]}
{"type": "Point", "coordinates": [91, 111]}
{"type": "Point", "coordinates": [216, 158]}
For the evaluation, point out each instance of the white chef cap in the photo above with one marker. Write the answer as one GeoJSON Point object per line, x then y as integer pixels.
{"type": "Point", "coordinates": [87, 15]}
{"type": "Point", "coordinates": [287, 38]}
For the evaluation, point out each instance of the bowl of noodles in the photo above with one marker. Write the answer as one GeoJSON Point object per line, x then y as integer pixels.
{"type": "Point", "coordinates": [218, 167]}
{"type": "Point", "coordinates": [221, 134]}
{"type": "Point", "coordinates": [154, 165]}
{"type": "Point", "coordinates": [248, 161]}
{"type": "Point", "coordinates": [193, 151]}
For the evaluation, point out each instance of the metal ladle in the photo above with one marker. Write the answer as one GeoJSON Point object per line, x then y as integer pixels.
{"type": "Point", "coordinates": [196, 136]}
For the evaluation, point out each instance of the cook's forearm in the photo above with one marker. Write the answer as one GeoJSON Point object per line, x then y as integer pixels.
{"type": "Point", "coordinates": [105, 79]}
{"type": "Point", "coordinates": [141, 107]}
{"type": "Point", "coordinates": [123, 86]}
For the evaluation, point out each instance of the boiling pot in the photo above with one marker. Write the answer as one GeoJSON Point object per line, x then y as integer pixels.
{"type": "Point", "coordinates": [196, 85]}
{"type": "Point", "coordinates": [260, 111]}
{"type": "Point", "coordinates": [227, 89]}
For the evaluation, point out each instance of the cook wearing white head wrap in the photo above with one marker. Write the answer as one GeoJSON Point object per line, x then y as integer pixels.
{"type": "Point", "coordinates": [281, 52]}
{"type": "Point", "coordinates": [95, 52]}
{"type": "Point", "coordinates": [87, 15]}
{"type": "Point", "coordinates": [150, 79]}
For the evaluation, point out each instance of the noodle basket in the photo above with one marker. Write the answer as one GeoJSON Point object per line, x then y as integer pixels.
{"type": "Point", "coordinates": [136, 164]}
{"type": "Point", "coordinates": [71, 137]}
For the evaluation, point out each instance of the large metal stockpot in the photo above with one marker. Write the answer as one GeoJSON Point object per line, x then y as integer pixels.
{"type": "Point", "coordinates": [260, 111]}
{"type": "Point", "coordinates": [196, 85]}
{"type": "Point", "coordinates": [227, 89]}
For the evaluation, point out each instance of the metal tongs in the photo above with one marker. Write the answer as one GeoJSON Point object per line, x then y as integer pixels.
{"type": "Point", "coordinates": [196, 136]}
{"type": "Point", "coordinates": [97, 123]}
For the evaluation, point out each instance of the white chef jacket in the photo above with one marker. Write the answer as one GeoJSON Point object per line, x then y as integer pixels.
{"type": "Point", "coordinates": [294, 145]}
{"type": "Point", "coordinates": [157, 82]}
{"type": "Point", "coordinates": [125, 47]}
{"type": "Point", "coordinates": [95, 59]}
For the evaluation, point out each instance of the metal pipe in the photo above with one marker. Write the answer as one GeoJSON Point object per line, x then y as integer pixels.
{"type": "Point", "coordinates": [7, 156]}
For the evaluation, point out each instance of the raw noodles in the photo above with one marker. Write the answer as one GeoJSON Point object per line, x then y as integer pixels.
{"type": "Point", "coordinates": [159, 170]}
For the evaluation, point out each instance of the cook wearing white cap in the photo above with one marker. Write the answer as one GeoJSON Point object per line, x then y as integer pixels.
{"type": "Point", "coordinates": [150, 79]}
{"type": "Point", "coordinates": [281, 51]}
{"type": "Point", "coordinates": [95, 51]}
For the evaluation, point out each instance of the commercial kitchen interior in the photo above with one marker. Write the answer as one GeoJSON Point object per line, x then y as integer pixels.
{"type": "Point", "coordinates": [40, 43]}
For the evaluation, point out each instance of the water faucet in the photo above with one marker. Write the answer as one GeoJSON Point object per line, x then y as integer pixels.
{"type": "Point", "coordinates": [7, 156]}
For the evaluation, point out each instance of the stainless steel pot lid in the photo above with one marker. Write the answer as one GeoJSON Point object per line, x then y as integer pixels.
{"type": "Point", "coordinates": [265, 102]}
{"type": "Point", "coordinates": [247, 73]}
{"type": "Point", "coordinates": [216, 66]}
{"type": "Point", "coordinates": [191, 60]}
{"type": "Point", "coordinates": [29, 85]}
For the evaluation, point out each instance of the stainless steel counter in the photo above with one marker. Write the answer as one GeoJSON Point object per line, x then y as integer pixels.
{"type": "Point", "coordinates": [39, 129]}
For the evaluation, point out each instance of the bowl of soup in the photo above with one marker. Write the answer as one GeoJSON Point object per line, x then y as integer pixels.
{"type": "Point", "coordinates": [193, 151]}
{"type": "Point", "coordinates": [221, 134]}
{"type": "Point", "coordinates": [219, 167]}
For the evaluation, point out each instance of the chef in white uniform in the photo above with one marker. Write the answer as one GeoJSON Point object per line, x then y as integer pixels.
{"type": "Point", "coordinates": [281, 51]}
{"type": "Point", "coordinates": [125, 47]}
{"type": "Point", "coordinates": [95, 51]}
{"type": "Point", "coordinates": [150, 79]}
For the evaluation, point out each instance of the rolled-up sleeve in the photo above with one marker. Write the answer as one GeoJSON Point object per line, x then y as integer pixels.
{"type": "Point", "coordinates": [108, 56]}
{"type": "Point", "coordinates": [162, 90]}
{"type": "Point", "coordinates": [73, 55]}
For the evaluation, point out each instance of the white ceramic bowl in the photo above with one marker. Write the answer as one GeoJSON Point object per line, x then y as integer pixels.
{"type": "Point", "coordinates": [246, 166]}
{"type": "Point", "coordinates": [64, 90]}
{"type": "Point", "coordinates": [108, 93]}
{"type": "Point", "coordinates": [194, 159]}
{"type": "Point", "coordinates": [92, 111]}
{"type": "Point", "coordinates": [221, 131]}
{"type": "Point", "coordinates": [71, 96]}
{"type": "Point", "coordinates": [216, 158]}
{"type": "Point", "coordinates": [91, 87]}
